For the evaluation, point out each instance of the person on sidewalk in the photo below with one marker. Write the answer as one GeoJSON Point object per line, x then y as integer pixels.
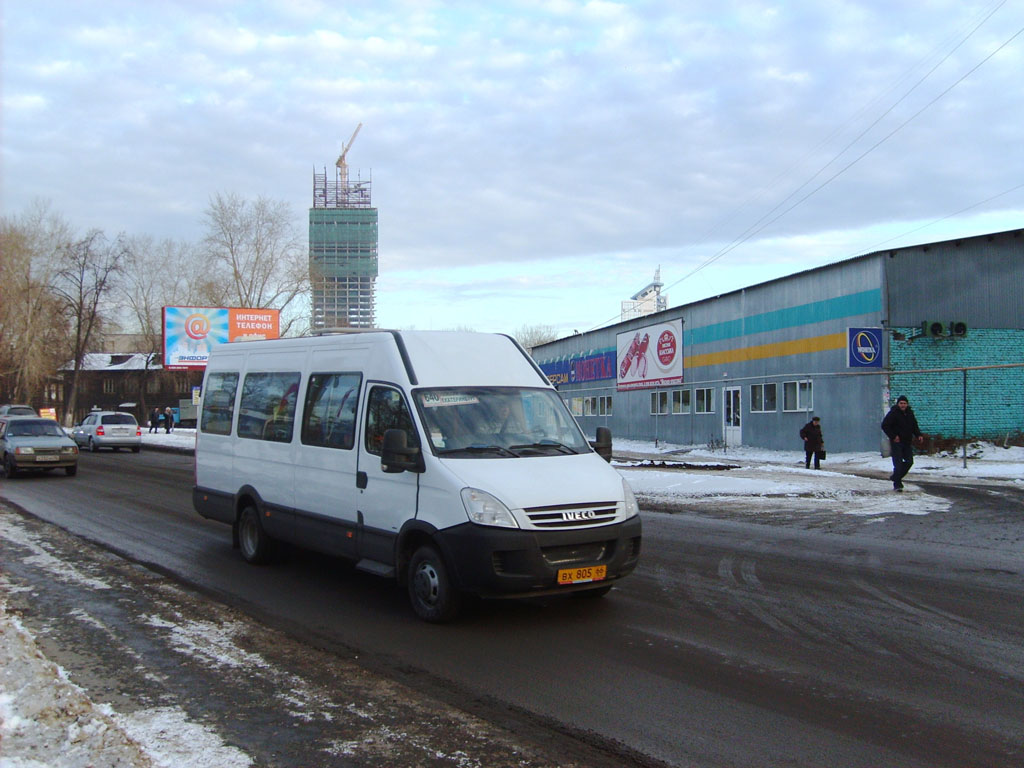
{"type": "Point", "coordinates": [168, 420]}
{"type": "Point", "coordinates": [154, 420]}
{"type": "Point", "coordinates": [900, 426]}
{"type": "Point", "coordinates": [813, 442]}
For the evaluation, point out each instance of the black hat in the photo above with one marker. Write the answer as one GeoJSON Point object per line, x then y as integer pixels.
{"type": "Point", "coordinates": [902, 398]}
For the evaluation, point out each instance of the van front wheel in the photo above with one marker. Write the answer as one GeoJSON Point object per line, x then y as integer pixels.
{"type": "Point", "coordinates": [431, 592]}
{"type": "Point", "coordinates": [252, 540]}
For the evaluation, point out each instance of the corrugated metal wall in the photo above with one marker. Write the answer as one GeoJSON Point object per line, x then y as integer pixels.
{"type": "Point", "coordinates": [795, 329]}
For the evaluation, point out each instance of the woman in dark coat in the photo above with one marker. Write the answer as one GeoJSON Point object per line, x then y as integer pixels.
{"type": "Point", "coordinates": [813, 442]}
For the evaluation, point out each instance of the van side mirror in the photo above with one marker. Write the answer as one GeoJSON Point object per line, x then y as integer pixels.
{"type": "Point", "coordinates": [397, 455]}
{"type": "Point", "coordinates": [603, 444]}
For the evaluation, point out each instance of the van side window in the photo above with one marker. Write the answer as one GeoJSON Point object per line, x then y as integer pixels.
{"type": "Point", "coordinates": [386, 409]}
{"type": "Point", "coordinates": [219, 403]}
{"type": "Point", "coordinates": [267, 408]}
{"type": "Point", "coordinates": [329, 417]}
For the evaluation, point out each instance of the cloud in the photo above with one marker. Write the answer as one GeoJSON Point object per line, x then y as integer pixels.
{"type": "Point", "coordinates": [521, 133]}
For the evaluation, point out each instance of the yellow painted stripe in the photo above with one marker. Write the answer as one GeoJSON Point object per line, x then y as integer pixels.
{"type": "Point", "coordinates": [762, 351]}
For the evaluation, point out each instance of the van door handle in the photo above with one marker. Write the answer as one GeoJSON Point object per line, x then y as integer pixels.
{"type": "Point", "coordinates": [361, 479]}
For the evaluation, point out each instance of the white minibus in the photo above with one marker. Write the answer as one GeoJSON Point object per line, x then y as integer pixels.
{"type": "Point", "coordinates": [444, 460]}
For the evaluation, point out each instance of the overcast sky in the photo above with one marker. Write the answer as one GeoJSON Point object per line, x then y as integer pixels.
{"type": "Point", "coordinates": [533, 162]}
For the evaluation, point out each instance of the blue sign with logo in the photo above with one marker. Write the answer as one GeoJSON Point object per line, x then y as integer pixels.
{"type": "Point", "coordinates": [864, 348]}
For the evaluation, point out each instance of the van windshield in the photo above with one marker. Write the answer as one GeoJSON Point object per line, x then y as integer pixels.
{"type": "Point", "coordinates": [498, 422]}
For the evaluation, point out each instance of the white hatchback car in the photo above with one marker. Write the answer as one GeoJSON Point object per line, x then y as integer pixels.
{"type": "Point", "coordinates": [108, 429]}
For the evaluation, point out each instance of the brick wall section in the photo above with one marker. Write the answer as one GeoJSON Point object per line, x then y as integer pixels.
{"type": "Point", "coordinates": [995, 398]}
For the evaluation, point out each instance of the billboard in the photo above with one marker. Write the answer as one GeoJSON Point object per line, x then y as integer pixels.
{"type": "Point", "coordinates": [650, 357]}
{"type": "Point", "coordinates": [191, 332]}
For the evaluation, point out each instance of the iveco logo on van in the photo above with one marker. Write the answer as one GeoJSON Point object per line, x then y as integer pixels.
{"type": "Point", "coordinates": [587, 514]}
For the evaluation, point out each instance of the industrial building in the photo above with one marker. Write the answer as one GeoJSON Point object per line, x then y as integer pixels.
{"type": "Point", "coordinates": [343, 249]}
{"type": "Point", "coordinates": [942, 323]}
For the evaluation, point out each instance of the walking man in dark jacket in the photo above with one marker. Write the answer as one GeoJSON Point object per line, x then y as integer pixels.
{"type": "Point", "coordinates": [900, 425]}
{"type": "Point", "coordinates": [813, 442]}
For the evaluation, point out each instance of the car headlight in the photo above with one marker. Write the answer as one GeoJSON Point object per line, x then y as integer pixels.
{"type": "Point", "coordinates": [23, 449]}
{"type": "Point", "coordinates": [69, 449]}
{"type": "Point", "coordinates": [631, 508]}
{"type": "Point", "coordinates": [484, 509]}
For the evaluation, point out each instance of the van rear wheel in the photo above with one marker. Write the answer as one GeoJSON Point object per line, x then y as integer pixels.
{"type": "Point", "coordinates": [431, 592]}
{"type": "Point", "coordinates": [252, 539]}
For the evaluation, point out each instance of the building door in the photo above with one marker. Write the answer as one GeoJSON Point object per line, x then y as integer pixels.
{"type": "Point", "coordinates": [731, 414]}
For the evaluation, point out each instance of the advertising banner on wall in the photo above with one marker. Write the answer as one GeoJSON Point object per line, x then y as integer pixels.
{"type": "Point", "coordinates": [592, 366]}
{"type": "Point", "coordinates": [191, 332]}
{"type": "Point", "coordinates": [650, 357]}
{"type": "Point", "coordinates": [864, 348]}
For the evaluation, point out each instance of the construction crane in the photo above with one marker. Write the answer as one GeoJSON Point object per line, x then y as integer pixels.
{"type": "Point", "coordinates": [342, 165]}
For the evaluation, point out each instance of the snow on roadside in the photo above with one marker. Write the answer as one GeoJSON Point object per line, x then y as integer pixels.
{"type": "Point", "coordinates": [46, 721]}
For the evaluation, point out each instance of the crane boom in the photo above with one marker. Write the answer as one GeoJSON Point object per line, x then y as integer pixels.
{"type": "Point", "coordinates": [347, 147]}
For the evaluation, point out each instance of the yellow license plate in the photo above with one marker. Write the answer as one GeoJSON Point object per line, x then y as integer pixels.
{"type": "Point", "coordinates": [582, 575]}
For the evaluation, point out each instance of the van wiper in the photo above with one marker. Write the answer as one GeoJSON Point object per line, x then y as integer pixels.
{"type": "Point", "coordinates": [546, 444]}
{"type": "Point", "coordinates": [478, 450]}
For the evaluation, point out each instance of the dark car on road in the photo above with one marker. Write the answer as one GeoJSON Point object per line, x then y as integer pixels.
{"type": "Point", "coordinates": [17, 410]}
{"type": "Point", "coordinates": [35, 444]}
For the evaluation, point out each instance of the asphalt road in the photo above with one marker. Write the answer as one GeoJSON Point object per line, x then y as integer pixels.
{"type": "Point", "coordinates": [897, 643]}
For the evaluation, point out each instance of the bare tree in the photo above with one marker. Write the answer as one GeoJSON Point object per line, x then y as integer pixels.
{"type": "Point", "coordinates": [260, 258]}
{"type": "Point", "coordinates": [155, 275]}
{"type": "Point", "coordinates": [531, 336]}
{"type": "Point", "coordinates": [89, 268]}
{"type": "Point", "coordinates": [30, 338]}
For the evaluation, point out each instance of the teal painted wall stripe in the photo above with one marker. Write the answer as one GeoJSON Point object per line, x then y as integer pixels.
{"type": "Point", "coordinates": [862, 303]}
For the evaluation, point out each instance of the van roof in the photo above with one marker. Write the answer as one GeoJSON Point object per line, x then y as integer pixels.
{"type": "Point", "coordinates": [429, 358]}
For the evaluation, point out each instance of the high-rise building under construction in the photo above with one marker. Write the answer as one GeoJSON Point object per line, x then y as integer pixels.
{"type": "Point", "coordinates": [343, 249]}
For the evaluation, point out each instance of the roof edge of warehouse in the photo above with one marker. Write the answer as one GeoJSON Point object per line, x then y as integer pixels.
{"type": "Point", "coordinates": [891, 252]}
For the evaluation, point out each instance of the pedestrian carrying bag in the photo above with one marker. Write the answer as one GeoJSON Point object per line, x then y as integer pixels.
{"type": "Point", "coordinates": [821, 454]}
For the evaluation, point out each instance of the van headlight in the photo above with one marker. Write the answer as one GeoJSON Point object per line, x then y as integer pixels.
{"type": "Point", "coordinates": [484, 509]}
{"type": "Point", "coordinates": [630, 508]}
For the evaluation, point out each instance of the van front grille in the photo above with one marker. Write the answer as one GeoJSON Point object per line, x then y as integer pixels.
{"type": "Point", "coordinates": [572, 515]}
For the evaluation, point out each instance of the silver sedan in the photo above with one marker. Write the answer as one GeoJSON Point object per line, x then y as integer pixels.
{"type": "Point", "coordinates": [108, 429]}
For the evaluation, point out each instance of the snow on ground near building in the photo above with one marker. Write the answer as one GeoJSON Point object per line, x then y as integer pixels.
{"type": "Point", "coordinates": [42, 712]}
{"type": "Point", "coordinates": [847, 483]}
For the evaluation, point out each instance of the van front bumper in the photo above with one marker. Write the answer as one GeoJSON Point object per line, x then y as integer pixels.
{"type": "Point", "coordinates": [503, 562]}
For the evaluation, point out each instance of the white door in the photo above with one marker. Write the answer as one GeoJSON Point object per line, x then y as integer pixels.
{"type": "Point", "coordinates": [731, 413]}
{"type": "Point", "coordinates": [385, 501]}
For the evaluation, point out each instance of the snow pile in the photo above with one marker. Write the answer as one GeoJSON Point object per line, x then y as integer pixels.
{"type": "Point", "coordinates": [46, 720]}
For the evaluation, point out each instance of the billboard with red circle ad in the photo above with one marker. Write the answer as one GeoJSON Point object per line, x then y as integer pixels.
{"type": "Point", "coordinates": [189, 333]}
{"type": "Point", "coordinates": [650, 357]}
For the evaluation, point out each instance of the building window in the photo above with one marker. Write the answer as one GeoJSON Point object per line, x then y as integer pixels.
{"type": "Point", "coordinates": [605, 405]}
{"type": "Point", "coordinates": [680, 401]}
{"type": "Point", "coordinates": [659, 403]}
{"type": "Point", "coordinates": [577, 406]}
{"type": "Point", "coordinates": [153, 386]}
{"type": "Point", "coordinates": [762, 398]}
{"type": "Point", "coordinates": [705, 400]}
{"type": "Point", "coordinates": [108, 387]}
{"type": "Point", "coordinates": [797, 396]}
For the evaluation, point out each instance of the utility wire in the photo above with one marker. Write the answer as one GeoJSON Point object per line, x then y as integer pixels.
{"type": "Point", "coordinates": [762, 224]}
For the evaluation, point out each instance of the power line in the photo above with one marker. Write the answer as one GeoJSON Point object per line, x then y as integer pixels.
{"type": "Point", "coordinates": [761, 224]}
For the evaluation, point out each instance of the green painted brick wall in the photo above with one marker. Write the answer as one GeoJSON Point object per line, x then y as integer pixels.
{"type": "Point", "coordinates": [995, 398]}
